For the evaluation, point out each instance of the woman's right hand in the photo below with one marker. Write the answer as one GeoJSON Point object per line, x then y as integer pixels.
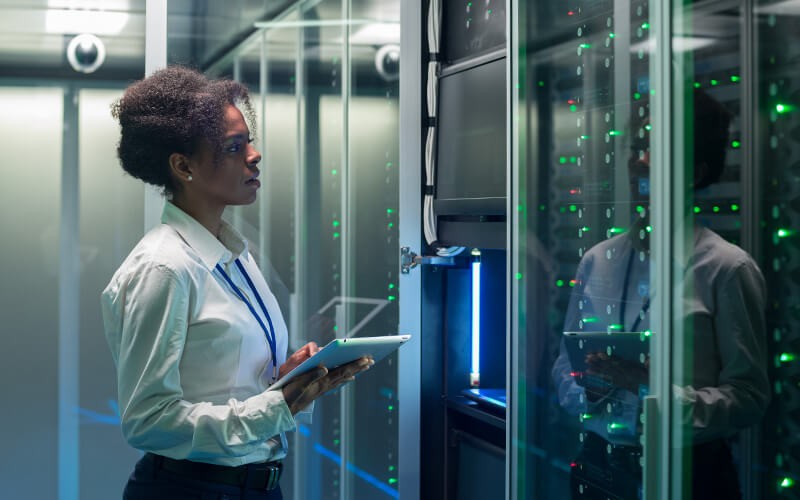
{"type": "Point", "coordinates": [307, 387]}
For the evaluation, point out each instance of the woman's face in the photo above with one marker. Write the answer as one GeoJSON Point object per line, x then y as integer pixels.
{"type": "Point", "coordinates": [234, 179]}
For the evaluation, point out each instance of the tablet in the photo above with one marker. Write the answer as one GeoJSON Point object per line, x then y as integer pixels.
{"type": "Point", "coordinates": [632, 346]}
{"type": "Point", "coordinates": [342, 351]}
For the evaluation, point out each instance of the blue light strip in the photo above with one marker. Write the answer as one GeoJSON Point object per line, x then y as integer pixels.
{"type": "Point", "coordinates": [476, 323]}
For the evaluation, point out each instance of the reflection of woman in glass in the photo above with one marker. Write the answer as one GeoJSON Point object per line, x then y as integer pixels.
{"type": "Point", "coordinates": [194, 330]}
{"type": "Point", "coordinates": [725, 388]}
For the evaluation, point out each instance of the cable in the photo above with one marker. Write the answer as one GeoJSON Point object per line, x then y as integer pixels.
{"type": "Point", "coordinates": [429, 216]}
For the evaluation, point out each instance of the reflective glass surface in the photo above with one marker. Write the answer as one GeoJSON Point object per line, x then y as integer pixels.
{"type": "Point", "coordinates": [324, 81]}
{"type": "Point", "coordinates": [652, 260]}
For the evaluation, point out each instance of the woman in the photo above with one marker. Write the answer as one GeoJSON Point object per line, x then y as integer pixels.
{"type": "Point", "coordinates": [195, 332]}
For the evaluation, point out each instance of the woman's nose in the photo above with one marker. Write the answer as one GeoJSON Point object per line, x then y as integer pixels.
{"type": "Point", "coordinates": [253, 157]}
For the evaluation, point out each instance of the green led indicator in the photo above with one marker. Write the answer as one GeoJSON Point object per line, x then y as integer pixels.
{"type": "Point", "coordinates": [336, 223]}
{"type": "Point", "coordinates": [389, 211]}
{"type": "Point", "coordinates": [645, 26]}
{"type": "Point", "coordinates": [573, 208]}
{"type": "Point", "coordinates": [391, 468]}
{"type": "Point", "coordinates": [584, 137]}
{"type": "Point", "coordinates": [590, 319]}
{"type": "Point", "coordinates": [697, 85]}
{"type": "Point", "coordinates": [783, 108]}
{"type": "Point", "coordinates": [647, 333]}
{"type": "Point", "coordinates": [391, 286]}
{"type": "Point", "coordinates": [333, 172]}
{"type": "Point", "coordinates": [616, 230]}
{"type": "Point", "coordinates": [573, 108]}
{"type": "Point", "coordinates": [783, 233]}
{"type": "Point", "coordinates": [562, 159]}
{"type": "Point", "coordinates": [639, 209]}
{"type": "Point", "coordinates": [336, 442]}
{"type": "Point", "coordinates": [335, 328]}
{"type": "Point", "coordinates": [391, 224]}
{"type": "Point", "coordinates": [541, 83]}
{"type": "Point", "coordinates": [572, 159]}
{"type": "Point", "coordinates": [696, 209]}
{"type": "Point", "coordinates": [559, 283]}
{"type": "Point", "coordinates": [518, 276]}
{"type": "Point", "coordinates": [615, 326]}
{"type": "Point", "coordinates": [390, 407]}
{"type": "Point", "coordinates": [637, 95]}
{"type": "Point", "coordinates": [736, 144]}
{"type": "Point", "coordinates": [489, 11]}
{"type": "Point", "coordinates": [611, 35]}
{"type": "Point", "coordinates": [542, 208]}
{"type": "Point", "coordinates": [615, 426]}
{"type": "Point", "coordinates": [715, 209]}
{"type": "Point", "coordinates": [649, 229]}
{"type": "Point", "coordinates": [734, 207]}
{"type": "Point", "coordinates": [786, 357]}
{"type": "Point", "coordinates": [614, 132]}
{"type": "Point", "coordinates": [714, 82]}
{"type": "Point", "coordinates": [391, 297]}
{"type": "Point", "coordinates": [787, 482]}
{"type": "Point", "coordinates": [336, 235]}
{"type": "Point", "coordinates": [572, 283]}
{"type": "Point", "coordinates": [388, 164]}
{"type": "Point", "coordinates": [392, 480]}
{"type": "Point", "coordinates": [586, 45]}
{"type": "Point", "coordinates": [586, 416]}
{"type": "Point", "coordinates": [735, 78]}
{"type": "Point", "coordinates": [586, 229]}
{"type": "Point", "coordinates": [648, 127]}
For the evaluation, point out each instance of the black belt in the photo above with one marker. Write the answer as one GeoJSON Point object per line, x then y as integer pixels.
{"type": "Point", "coordinates": [263, 476]}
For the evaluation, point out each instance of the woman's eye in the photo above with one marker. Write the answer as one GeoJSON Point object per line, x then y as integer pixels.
{"type": "Point", "coordinates": [234, 147]}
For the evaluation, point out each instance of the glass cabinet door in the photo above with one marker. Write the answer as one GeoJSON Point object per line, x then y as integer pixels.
{"type": "Point", "coordinates": [653, 347]}
{"type": "Point", "coordinates": [323, 76]}
{"type": "Point", "coordinates": [581, 297]}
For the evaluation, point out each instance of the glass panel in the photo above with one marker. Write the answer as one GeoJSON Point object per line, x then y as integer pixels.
{"type": "Point", "coordinates": [719, 380]}
{"type": "Point", "coordinates": [776, 151]}
{"type": "Point", "coordinates": [581, 291]}
{"type": "Point", "coordinates": [30, 196]}
{"type": "Point", "coordinates": [111, 221]}
{"type": "Point", "coordinates": [325, 225]}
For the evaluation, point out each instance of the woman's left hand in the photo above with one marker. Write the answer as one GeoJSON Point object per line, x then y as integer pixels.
{"type": "Point", "coordinates": [298, 357]}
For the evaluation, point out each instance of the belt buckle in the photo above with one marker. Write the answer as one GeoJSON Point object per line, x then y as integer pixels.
{"type": "Point", "coordinates": [273, 476]}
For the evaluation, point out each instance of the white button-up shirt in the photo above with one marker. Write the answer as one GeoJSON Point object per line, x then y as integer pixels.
{"type": "Point", "coordinates": [193, 364]}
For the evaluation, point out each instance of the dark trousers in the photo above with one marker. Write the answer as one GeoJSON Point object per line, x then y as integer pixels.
{"type": "Point", "coordinates": [605, 471]}
{"type": "Point", "coordinates": [150, 482]}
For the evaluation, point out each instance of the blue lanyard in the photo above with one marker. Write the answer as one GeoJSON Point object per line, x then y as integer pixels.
{"type": "Point", "coordinates": [624, 299]}
{"type": "Point", "coordinates": [269, 332]}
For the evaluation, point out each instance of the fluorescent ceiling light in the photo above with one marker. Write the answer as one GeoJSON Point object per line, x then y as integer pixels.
{"type": "Point", "coordinates": [74, 21]}
{"type": "Point", "coordinates": [786, 8]}
{"type": "Point", "coordinates": [369, 33]}
{"type": "Point", "coordinates": [679, 44]}
{"type": "Point", "coordinates": [377, 34]}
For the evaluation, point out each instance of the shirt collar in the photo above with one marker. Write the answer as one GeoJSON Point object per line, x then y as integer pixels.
{"type": "Point", "coordinates": [212, 251]}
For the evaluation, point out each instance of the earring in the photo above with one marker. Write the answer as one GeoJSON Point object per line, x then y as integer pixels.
{"type": "Point", "coordinates": [189, 178]}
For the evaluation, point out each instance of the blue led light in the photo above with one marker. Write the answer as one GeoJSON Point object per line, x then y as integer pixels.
{"type": "Point", "coordinates": [476, 323]}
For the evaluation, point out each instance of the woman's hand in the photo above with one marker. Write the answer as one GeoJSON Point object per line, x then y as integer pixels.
{"type": "Point", "coordinates": [307, 387]}
{"type": "Point", "coordinates": [298, 357]}
{"type": "Point", "coordinates": [617, 371]}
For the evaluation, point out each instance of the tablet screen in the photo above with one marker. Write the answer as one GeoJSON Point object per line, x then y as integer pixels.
{"type": "Point", "coordinates": [342, 351]}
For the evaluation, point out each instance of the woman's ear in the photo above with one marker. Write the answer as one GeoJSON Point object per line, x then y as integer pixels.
{"type": "Point", "coordinates": [180, 168]}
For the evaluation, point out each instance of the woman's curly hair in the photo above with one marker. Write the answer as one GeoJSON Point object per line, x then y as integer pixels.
{"type": "Point", "coordinates": [173, 111]}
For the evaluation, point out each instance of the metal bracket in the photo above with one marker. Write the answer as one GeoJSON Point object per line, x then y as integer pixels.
{"type": "Point", "coordinates": [409, 260]}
